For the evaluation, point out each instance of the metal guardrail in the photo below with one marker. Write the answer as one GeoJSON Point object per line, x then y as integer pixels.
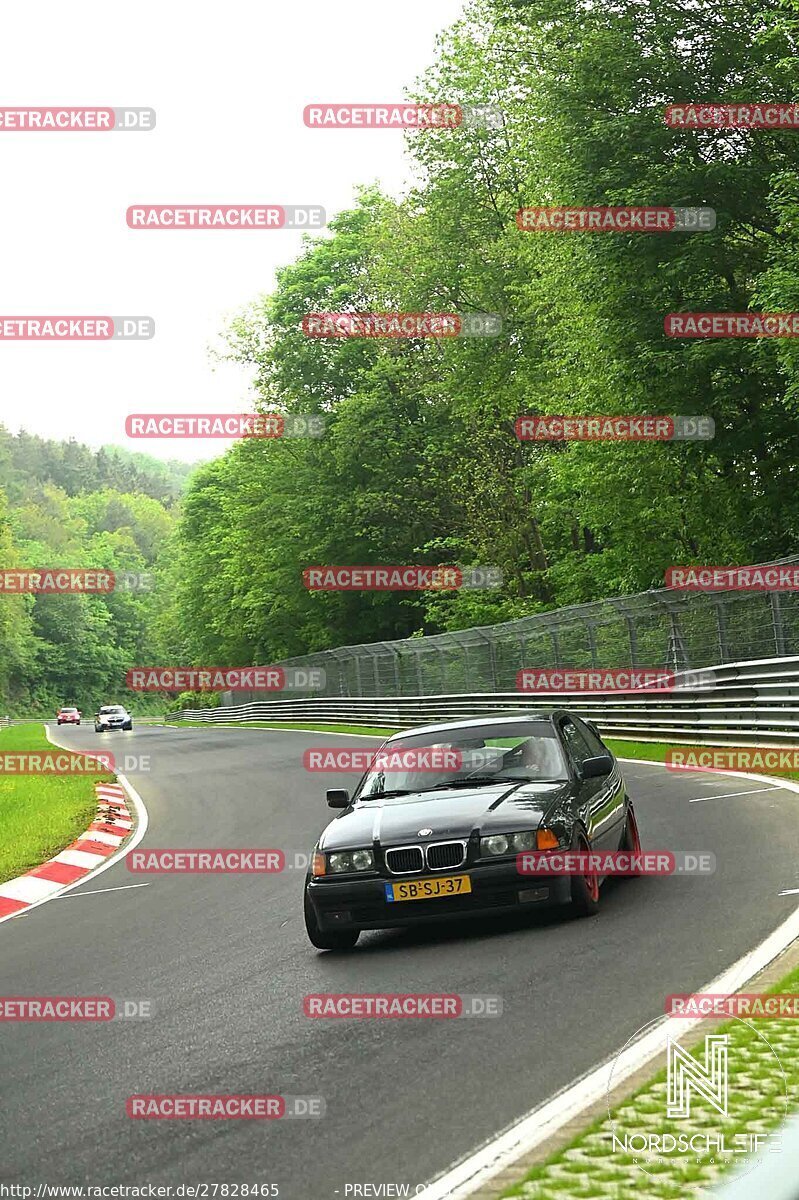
{"type": "Point", "coordinates": [750, 702]}
{"type": "Point", "coordinates": [665, 628]}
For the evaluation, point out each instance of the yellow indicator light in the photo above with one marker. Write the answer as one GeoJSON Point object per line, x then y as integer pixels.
{"type": "Point", "coordinates": [319, 865]}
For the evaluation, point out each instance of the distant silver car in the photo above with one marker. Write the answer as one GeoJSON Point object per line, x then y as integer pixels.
{"type": "Point", "coordinates": [112, 716]}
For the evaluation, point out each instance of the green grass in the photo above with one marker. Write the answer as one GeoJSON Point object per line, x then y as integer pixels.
{"type": "Point", "coordinates": [656, 751]}
{"type": "Point", "coordinates": [311, 726]}
{"type": "Point", "coordinates": [40, 814]}
{"type": "Point", "coordinates": [588, 1166]}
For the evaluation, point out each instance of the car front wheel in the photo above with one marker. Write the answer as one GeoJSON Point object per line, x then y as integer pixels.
{"type": "Point", "coordinates": [585, 888]}
{"type": "Point", "coordinates": [340, 939]}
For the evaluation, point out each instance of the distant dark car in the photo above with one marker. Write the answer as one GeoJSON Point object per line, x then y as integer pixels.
{"type": "Point", "coordinates": [414, 846]}
{"type": "Point", "coordinates": [112, 716]}
{"type": "Point", "coordinates": [68, 716]}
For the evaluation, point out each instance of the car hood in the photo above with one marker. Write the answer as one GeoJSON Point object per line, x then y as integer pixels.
{"type": "Point", "coordinates": [453, 813]}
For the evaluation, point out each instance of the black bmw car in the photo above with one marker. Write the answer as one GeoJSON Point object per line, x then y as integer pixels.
{"type": "Point", "coordinates": [435, 826]}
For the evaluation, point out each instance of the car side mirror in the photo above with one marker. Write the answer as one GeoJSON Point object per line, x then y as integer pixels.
{"type": "Point", "coordinates": [592, 768]}
{"type": "Point", "coordinates": [338, 798]}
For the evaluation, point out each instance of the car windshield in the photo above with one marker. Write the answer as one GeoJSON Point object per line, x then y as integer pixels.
{"type": "Point", "coordinates": [114, 711]}
{"type": "Point", "coordinates": [69, 710]}
{"type": "Point", "coordinates": [476, 756]}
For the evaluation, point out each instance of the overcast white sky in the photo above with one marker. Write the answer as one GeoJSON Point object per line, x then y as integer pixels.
{"type": "Point", "coordinates": [228, 83]}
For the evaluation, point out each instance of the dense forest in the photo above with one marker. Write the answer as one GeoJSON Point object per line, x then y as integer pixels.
{"type": "Point", "coordinates": [420, 462]}
{"type": "Point", "coordinates": [64, 505]}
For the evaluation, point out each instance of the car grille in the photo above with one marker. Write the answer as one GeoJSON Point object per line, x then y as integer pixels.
{"type": "Point", "coordinates": [445, 854]}
{"type": "Point", "coordinates": [404, 859]}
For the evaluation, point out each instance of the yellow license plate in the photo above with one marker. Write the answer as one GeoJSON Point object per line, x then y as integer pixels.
{"type": "Point", "coordinates": [429, 889]}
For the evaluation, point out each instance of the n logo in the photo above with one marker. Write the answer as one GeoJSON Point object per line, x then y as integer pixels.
{"type": "Point", "coordinates": [685, 1075]}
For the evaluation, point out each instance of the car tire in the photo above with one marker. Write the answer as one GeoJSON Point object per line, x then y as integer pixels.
{"type": "Point", "coordinates": [59, 722]}
{"type": "Point", "coordinates": [631, 842]}
{"type": "Point", "coordinates": [97, 729]}
{"type": "Point", "coordinates": [584, 889]}
{"type": "Point", "coordinates": [341, 939]}
{"type": "Point", "coordinates": [77, 722]}
{"type": "Point", "coordinates": [128, 726]}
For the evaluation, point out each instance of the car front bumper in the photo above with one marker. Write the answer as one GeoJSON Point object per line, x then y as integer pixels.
{"type": "Point", "coordinates": [496, 888]}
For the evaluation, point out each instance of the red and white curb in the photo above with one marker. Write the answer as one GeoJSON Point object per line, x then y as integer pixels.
{"type": "Point", "coordinates": [101, 840]}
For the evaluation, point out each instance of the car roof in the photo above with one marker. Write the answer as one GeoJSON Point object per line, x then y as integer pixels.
{"type": "Point", "coordinates": [475, 722]}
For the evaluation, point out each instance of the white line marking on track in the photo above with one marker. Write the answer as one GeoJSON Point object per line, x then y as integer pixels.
{"type": "Point", "coordinates": [125, 887]}
{"type": "Point", "coordinates": [790, 892]}
{"type": "Point", "coordinates": [727, 795]}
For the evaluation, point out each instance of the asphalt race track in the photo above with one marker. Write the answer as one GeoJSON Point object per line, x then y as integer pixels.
{"type": "Point", "coordinates": [225, 960]}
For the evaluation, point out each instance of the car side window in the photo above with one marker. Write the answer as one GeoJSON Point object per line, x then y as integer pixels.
{"type": "Point", "coordinates": [590, 738]}
{"type": "Point", "coordinates": [578, 747]}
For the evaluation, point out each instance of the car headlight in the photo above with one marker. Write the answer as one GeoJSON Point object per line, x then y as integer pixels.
{"type": "Point", "coordinates": [350, 860]}
{"type": "Point", "coordinates": [507, 843]}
